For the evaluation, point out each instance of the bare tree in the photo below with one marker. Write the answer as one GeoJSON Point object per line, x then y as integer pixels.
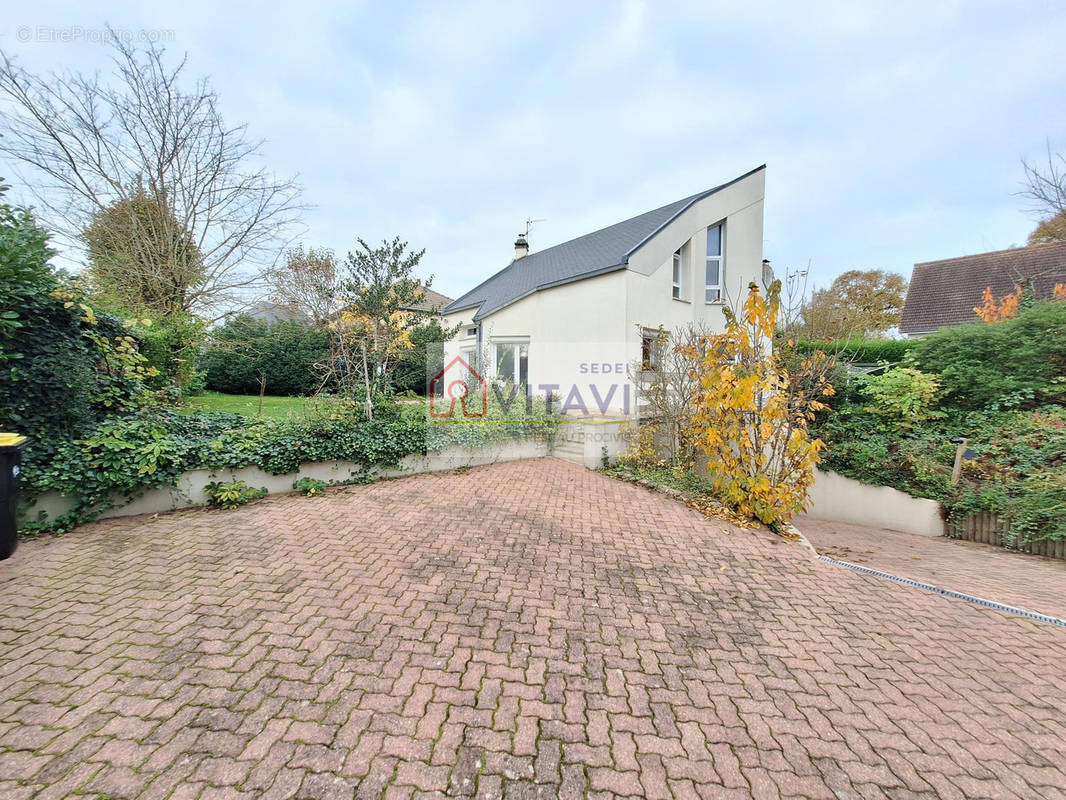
{"type": "Point", "coordinates": [1045, 185]}
{"type": "Point", "coordinates": [88, 145]}
{"type": "Point", "coordinates": [1045, 188]}
{"type": "Point", "coordinates": [309, 282]}
{"type": "Point", "coordinates": [666, 387]}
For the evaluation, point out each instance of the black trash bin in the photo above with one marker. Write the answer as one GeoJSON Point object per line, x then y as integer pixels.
{"type": "Point", "coordinates": [11, 445]}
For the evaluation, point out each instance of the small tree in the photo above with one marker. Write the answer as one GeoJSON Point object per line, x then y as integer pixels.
{"type": "Point", "coordinates": [308, 282]}
{"type": "Point", "coordinates": [751, 414]}
{"type": "Point", "coordinates": [373, 330]}
{"type": "Point", "coordinates": [666, 391]}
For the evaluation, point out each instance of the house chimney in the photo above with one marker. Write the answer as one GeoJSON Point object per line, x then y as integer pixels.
{"type": "Point", "coordinates": [767, 274]}
{"type": "Point", "coordinates": [521, 247]}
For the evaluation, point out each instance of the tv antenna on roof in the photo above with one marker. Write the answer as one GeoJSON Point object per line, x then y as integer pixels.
{"type": "Point", "coordinates": [529, 225]}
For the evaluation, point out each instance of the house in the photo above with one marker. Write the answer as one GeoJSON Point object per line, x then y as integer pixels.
{"type": "Point", "coordinates": [272, 313]}
{"type": "Point", "coordinates": [945, 293]}
{"type": "Point", "coordinates": [572, 319]}
{"type": "Point", "coordinates": [432, 303]}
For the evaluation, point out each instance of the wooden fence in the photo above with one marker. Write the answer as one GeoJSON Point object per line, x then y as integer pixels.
{"type": "Point", "coordinates": [990, 529]}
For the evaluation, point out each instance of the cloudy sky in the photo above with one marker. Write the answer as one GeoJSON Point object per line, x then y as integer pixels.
{"type": "Point", "coordinates": [892, 131]}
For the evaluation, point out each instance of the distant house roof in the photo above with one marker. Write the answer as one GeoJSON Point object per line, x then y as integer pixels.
{"type": "Point", "coordinates": [271, 313]}
{"type": "Point", "coordinates": [595, 253]}
{"type": "Point", "coordinates": [943, 293]}
{"type": "Point", "coordinates": [434, 301]}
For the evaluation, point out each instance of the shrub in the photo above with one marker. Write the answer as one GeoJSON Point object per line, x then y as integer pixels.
{"type": "Point", "coordinates": [424, 359]}
{"type": "Point", "coordinates": [1019, 474]}
{"type": "Point", "coordinates": [1016, 364]}
{"type": "Point", "coordinates": [285, 355]}
{"type": "Point", "coordinates": [310, 486]}
{"type": "Point", "coordinates": [750, 414]}
{"type": "Point", "coordinates": [65, 365]}
{"type": "Point", "coordinates": [862, 351]}
{"type": "Point", "coordinates": [903, 396]}
{"type": "Point", "coordinates": [232, 494]}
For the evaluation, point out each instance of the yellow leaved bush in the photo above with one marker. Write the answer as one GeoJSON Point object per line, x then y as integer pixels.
{"type": "Point", "coordinates": [751, 414]}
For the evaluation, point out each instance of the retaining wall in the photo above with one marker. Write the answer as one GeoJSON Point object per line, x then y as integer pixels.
{"type": "Point", "coordinates": [189, 490]}
{"type": "Point", "coordinates": [838, 499]}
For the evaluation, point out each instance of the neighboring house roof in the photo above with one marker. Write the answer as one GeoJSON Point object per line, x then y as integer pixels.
{"type": "Point", "coordinates": [272, 312]}
{"type": "Point", "coordinates": [434, 301]}
{"type": "Point", "coordinates": [943, 293]}
{"type": "Point", "coordinates": [593, 254]}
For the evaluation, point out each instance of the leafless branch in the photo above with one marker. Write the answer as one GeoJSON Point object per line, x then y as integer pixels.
{"type": "Point", "coordinates": [82, 144]}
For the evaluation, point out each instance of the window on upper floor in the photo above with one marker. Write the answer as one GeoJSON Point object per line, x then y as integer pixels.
{"type": "Point", "coordinates": [679, 276]}
{"type": "Point", "coordinates": [715, 270]}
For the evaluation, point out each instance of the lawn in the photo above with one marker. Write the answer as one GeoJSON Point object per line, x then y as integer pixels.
{"type": "Point", "coordinates": [248, 404]}
{"type": "Point", "coordinates": [273, 406]}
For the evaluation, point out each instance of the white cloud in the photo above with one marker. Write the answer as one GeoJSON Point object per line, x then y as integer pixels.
{"type": "Point", "coordinates": [892, 130]}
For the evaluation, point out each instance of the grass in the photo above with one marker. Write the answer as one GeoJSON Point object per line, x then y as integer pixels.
{"type": "Point", "coordinates": [248, 404]}
{"type": "Point", "coordinates": [273, 406]}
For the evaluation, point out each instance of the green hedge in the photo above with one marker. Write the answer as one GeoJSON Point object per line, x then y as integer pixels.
{"type": "Point", "coordinates": [288, 354]}
{"type": "Point", "coordinates": [1016, 364]}
{"type": "Point", "coordinates": [863, 351]}
{"type": "Point", "coordinates": [63, 366]}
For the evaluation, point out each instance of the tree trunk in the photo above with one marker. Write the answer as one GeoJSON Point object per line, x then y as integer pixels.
{"type": "Point", "coordinates": [368, 403]}
{"type": "Point", "coordinates": [262, 391]}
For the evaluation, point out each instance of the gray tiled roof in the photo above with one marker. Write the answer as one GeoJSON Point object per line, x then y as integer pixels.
{"type": "Point", "coordinates": [595, 253]}
{"type": "Point", "coordinates": [946, 292]}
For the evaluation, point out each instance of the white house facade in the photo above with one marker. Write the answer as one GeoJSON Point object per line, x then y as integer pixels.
{"type": "Point", "coordinates": [573, 319]}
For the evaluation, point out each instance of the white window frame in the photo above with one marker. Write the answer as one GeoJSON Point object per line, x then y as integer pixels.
{"type": "Point", "coordinates": [516, 342]}
{"type": "Point", "coordinates": [712, 292]}
{"type": "Point", "coordinates": [678, 275]}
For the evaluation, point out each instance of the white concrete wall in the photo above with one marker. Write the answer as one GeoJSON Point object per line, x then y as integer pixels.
{"type": "Point", "coordinates": [189, 491]}
{"type": "Point", "coordinates": [576, 332]}
{"type": "Point", "coordinates": [839, 499]}
{"type": "Point", "coordinates": [587, 333]}
{"type": "Point", "coordinates": [649, 294]}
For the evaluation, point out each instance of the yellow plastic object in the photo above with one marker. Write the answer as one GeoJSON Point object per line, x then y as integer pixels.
{"type": "Point", "coordinates": [11, 439]}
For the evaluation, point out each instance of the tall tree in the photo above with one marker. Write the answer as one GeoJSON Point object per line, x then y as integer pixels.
{"type": "Point", "coordinates": [1052, 229]}
{"type": "Point", "coordinates": [309, 282]}
{"type": "Point", "coordinates": [86, 145]}
{"type": "Point", "coordinates": [140, 257]}
{"type": "Point", "coordinates": [857, 302]}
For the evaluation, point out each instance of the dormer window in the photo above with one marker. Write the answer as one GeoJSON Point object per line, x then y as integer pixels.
{"type": "Point", "coordinates": [715, 265]}
{"type": "Point", "coordinates": [679, 275]}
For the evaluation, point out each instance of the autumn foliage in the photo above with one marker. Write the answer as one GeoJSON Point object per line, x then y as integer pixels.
{"type": "Point", "coordinates": [751, 413]}
{"type": "Point", "coordinates": [1007, 307]}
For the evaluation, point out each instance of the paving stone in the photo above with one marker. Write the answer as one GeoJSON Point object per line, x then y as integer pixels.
{"type": "Point", "coordinates": [529, 629]}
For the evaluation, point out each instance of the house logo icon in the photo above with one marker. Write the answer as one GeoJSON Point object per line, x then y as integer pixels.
{"type": "Point", "coordinates": [458, 382]}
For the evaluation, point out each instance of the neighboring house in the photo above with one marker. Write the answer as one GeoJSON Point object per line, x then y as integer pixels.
{"type": "Point", "coordinates": [575, 317]}
{"type": "Point", "coordinates": [271, 313]}
{"type": "Point", "coordinates": [432, 303]}
{"type": "Point", "coordinates": [945, 293]}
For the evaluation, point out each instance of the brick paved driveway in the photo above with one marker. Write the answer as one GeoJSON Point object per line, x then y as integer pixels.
{"type": "Point", "coordinates": [526, 629]}
{"type": "Point", "coordinates": [1035, 583]}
